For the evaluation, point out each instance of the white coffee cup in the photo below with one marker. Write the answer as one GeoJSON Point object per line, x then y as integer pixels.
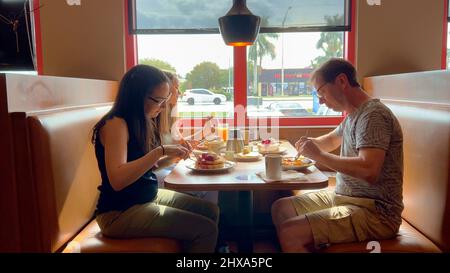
{"type": "Point", "coordinates": [273, 166]}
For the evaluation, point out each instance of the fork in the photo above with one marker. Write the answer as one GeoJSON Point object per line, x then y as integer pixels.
{"type": "Point", "coordinates": [298, 154]}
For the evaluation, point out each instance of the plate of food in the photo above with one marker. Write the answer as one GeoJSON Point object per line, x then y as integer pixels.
{"type": "Point", "coordinates": [291, 163]}
{"type": "Point", "coordinates": [247, 156]}
{"type": "Point", "coordinates": [210, 162]}
{"type": "Point", "coordinates": [271, 146]}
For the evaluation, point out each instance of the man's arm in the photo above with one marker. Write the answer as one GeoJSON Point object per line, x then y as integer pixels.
{"type": "Point", "coordinates": [366, 166]}
{"type": "Point", "coordinates": [328, 142]}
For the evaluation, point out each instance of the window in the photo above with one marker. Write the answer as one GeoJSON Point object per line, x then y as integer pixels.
{"type": "Point", "coordinates": [295, 37]}
{"type": "Point", "coordinates": [282, 74]}
{"type": "Point", "coordinates": [203, 64]}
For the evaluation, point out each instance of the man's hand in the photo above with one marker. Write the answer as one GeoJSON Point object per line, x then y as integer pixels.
{"type": "Point", "coordinates": [308, 148]}
{"type": "Point", "coordinates": [300, 142]}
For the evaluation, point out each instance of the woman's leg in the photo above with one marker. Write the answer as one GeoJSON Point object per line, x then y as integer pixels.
{"type": "Point", "coordinates": [187, 202]}
{"type": "Point", "coordinates": [199, 233]}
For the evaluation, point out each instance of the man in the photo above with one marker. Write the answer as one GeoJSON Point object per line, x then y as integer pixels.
{"type": "Point", "coordinates": [367, 202]}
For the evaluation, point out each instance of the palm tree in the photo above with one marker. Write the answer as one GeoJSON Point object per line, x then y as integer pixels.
{"type": "Point", "coordinates": [331, 43]}
{"type": "Point", "coordinates": [262, 47]}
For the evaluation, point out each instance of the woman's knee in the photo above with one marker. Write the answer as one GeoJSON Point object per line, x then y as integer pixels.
{"type": "Point", "coordinates": [210, 210]}
{"type": "Point", "coordinates": [207, 228]}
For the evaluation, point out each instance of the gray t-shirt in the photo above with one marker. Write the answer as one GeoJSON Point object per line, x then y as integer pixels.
{"type": "Point", "coordinates": [373, 125]}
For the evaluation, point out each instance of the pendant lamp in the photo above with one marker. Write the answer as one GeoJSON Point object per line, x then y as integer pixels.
{"type": "Point", "coordinates": [239, 27]}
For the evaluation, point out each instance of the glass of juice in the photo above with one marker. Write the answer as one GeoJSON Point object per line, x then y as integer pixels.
{"type": "Point", "coordinates": [222, 131]}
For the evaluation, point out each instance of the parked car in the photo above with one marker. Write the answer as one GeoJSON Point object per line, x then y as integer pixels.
{"type": "Point", "coordinates": [325, 111]}
{"type": "Point", "coordinates": [192, 96]}
{"type": "Point", "coordinates": [292, 109]}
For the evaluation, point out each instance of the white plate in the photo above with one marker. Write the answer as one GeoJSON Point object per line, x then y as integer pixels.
{"type": "Point", "coordinates": [299, 168]}
{"type": "Point", "coordinates": [226, 166]}
{"type": "Point", "coordinates": [250, 157]}
{"type": "Point", "coordinates": [281, 150]}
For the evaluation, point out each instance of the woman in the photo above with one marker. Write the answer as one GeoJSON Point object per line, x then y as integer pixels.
{"type": "Point", "coordinates": [127, 146]}
{"type": "Point", "coordinates": [169, 122]}
{"type": "Point", "coordinates": [171, 134]}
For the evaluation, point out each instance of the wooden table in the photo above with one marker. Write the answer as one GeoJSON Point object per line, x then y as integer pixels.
{"type": "Point", "coordinates": [242, 178]}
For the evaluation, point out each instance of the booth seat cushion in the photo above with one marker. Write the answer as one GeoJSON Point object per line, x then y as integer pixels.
{"type": "Point", "coordinates": [408, 240]}
{"type": "Point", "coordinates": [91, 240]}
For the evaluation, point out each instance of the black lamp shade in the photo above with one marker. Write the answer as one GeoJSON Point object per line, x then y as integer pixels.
{"type": "Point", "coordinates": [239, 30]}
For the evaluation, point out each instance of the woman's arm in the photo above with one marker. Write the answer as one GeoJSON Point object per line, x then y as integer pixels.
{"type": "Point", "coordinates": [114, 137]}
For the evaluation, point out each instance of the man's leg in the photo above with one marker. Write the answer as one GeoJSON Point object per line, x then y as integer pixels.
{"type": "Point", "coordinates": [295, 235]}
{"type": "Point", "coordinates": [282, 210]}
{"type": "Point", "coordinates": [293, 228]}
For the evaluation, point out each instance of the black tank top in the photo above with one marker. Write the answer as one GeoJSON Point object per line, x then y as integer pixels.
{"type": "Point", "coordinates": [141, 191]}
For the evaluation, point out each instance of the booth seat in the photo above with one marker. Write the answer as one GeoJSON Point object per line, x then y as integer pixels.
{"type": "Point", "coordinates": [65, 180]}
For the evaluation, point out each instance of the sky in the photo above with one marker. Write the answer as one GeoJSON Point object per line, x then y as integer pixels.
{"type": "Point", "coordinates": [185, 51]}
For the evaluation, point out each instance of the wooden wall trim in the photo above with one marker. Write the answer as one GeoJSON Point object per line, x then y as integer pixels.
{"type": "Point", "coordinates": [9, 228]}
{"type": "Point", "coordinates": [426, 87]}
{"type": "Point", "coordinates": [28, 93]}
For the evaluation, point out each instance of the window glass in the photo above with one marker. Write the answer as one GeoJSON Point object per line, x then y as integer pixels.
{"type": "Point", "coordinates": [200, 16]}
{"type": "Point", "coordinates": [282, 64]}
{"type": "Point", "coordinates": [202, 62]}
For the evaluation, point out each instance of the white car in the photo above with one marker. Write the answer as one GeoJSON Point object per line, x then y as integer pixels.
{"type": "Point", "coordinates": [197, 95]}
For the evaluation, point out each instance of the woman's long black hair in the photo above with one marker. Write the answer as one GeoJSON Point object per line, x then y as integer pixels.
{"type": "Point", "coordinates": [136, 85]}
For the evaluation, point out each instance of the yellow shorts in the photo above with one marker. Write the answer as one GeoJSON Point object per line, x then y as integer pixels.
{"type": "Point", "coordinates": [337, 218]}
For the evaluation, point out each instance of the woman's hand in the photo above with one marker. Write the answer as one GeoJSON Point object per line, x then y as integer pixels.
{"type": "Point", "coordinates": [194, 143]}
{"type": "Point", "coordinates": [176, 151]}
{"type": "Point", "coordinates": [186, 144]}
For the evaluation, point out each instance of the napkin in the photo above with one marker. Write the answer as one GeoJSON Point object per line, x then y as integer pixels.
{"type": "Point", "coordinates": [289, 175]}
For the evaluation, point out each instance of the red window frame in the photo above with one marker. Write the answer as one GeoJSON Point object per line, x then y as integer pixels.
{"type": "Point", "coordinates": [240, 71]}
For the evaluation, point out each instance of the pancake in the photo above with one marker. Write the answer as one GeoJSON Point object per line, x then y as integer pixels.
{"type": "Point", "coordinates": [210, 161]}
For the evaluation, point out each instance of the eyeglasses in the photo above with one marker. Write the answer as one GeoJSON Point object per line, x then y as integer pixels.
{"type": "Point", "coordinates": [160, 102]}
{"type": "Point", "coordinates": [318, 89]}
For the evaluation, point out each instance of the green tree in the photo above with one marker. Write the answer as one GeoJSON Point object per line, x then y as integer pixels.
{"type": "Point", "coordinates": [158, 63]}
{"type": "Point", "coordinates": [204, 75]}
{"type": "Point", "coordinates": [331, 43]}
{"type": "Point", "coordinates": [262, 47]}
{"type": "Point", "coordinates": [226, 78]}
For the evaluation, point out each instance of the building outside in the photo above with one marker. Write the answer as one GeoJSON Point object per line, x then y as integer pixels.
{"type": "Point", "coordinates": [296, 82]}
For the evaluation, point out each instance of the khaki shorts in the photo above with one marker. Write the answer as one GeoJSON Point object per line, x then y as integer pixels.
{"type": "Point", "coordinates": [336, 218]}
